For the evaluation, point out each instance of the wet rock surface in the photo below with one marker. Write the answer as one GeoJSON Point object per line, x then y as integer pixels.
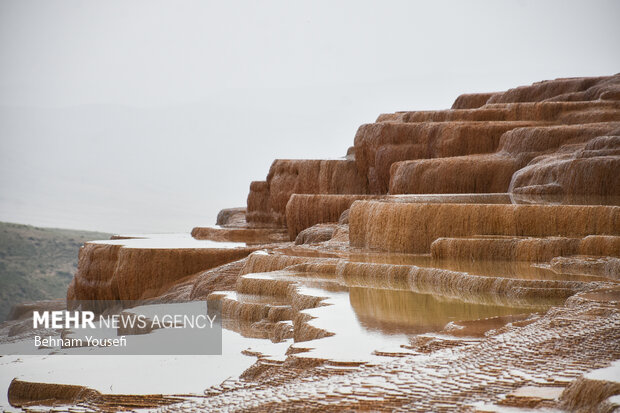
{"type": "Point", "coordinates": [44, 396]}
{"type": "Point", "coordinates": [551, 352]}
{"type": "Point", "coordinates": [454, 260]}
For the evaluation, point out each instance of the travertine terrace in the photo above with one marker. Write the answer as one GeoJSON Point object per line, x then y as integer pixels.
{"type": "Point", "coordinates": [465, 259]}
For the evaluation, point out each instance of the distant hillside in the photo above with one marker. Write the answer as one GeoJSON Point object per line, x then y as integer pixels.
{"type": "Point", "coordinates": [37, 263]}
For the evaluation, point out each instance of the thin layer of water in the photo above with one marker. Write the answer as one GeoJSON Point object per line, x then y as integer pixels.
{"type": "Point", "coordinates": [503, 269]}
{"type": "Point", "coordinates": [408, 312]}
{"type": "Point", "coordinates": [166, 241]}
{"type": "Point", "coordinates": [140, 374]}
{"type": "Point", "coordinates": [365, 321]}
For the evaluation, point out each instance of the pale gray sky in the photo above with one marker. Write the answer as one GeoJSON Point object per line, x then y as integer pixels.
{"type": "Point", "coordinates": [152, 115]}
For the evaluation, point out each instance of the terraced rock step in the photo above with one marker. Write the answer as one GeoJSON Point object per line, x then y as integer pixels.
{"type": "Point", "coordinates": [133, 269]}
{"type": "Point", "coordinates": [457, 377]}
{"type": "Point", "coordinates": [531, 249]}
{"type": "Point", "coordinates": [256, 316]}
{"type": "Point", "coordinates": [453, 260]}
{"type": "Point", "coordinates": [379, 145]}
{"type": "Point", "coordinates": [555, 112]}
{"type": "Point", "coordinates": [427, 226]}
{"type": "Point", "coordinates": [384, 289]}
{"type": "Point", "coordinates": [247, 235]}
{"type": "Point", "coordinates": [267, 200]}
{"type": "Point", "coordinates": [413, 227]}
{"type": "Point", "coordinates": [558, 145]}
{"type": "Point", "coordinates": [28, 394]}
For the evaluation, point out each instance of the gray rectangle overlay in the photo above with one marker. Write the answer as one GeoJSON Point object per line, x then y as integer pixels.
{"type": "Point", "coordinates": [122, 328]}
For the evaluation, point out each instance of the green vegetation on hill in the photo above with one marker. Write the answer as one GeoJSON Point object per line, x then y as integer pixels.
{"type": "Point", "coordinates": [37, 263]}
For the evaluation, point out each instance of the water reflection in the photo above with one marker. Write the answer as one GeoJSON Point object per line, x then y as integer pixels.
{"type": "Point", "coordinates": [369, 321]}
{"type": "Point", "coordinates": [503, 269]}
{"type": "Point", "coordinates": [165, 241]}
{"type": "Point", "coordinates": [407, 312]}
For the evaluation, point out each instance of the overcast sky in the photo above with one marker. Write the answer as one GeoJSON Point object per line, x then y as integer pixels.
{"type": "Point", "coordinates": [140, 116]}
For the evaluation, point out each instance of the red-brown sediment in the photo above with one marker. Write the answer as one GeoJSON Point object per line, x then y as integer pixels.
{"type": "Point", "coordinates": [267, 200]}
{"type": "Point", "coordinates": [24, 394]}
{"type": "Point", "coordinates": [528, 175]}
{"type": "Point", "coordinates": [114, 272]}
{"type": "Point", "coordinates": [511, 167]}
{"type": "Point", "coordinates": [245, 234]}
{"type": "Point", "coordinates": [412, 227]}
{"type": "Point", "coordinates": [530, 249]}
{"type": "Point", "coordinates": [304, 211]}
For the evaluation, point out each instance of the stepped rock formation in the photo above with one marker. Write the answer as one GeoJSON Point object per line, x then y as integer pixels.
{"type": "Point", "coordinates": [530, 175]}
{"type": "Point", "coordinates": [412, 227]}
{"type": "Point", "coordinates": [529, 249]}
{"type": "Point", "coordinates": [556, 138]}
{"type": "Point", "coordinates": [134, 270]}
{"type": "Point", "coordinates": [486, 236]}
{"type": "Point", "coordinates": [24, 394]}
{"type": "Point", "coordinates": [267, 200]}
{"type": "Point", "coordinates": [304, 211]}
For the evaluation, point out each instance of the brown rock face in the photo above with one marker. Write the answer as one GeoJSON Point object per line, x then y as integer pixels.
{"type": "Point", "coordinates": [518, 150]}
{"type": "Point", "coordinates": [580, 169]}
{"type": "Point", "coordinates": [316, 234]}
{"type": "Point", "coordinates": [379, 145]}
{"type": "Point", "coordinates": [530, 249]}
{"type": "Point", "coordinates": [412, 227]}
{"type": "Point", "coordinates": [120, 270]}
{"type": "Point", "coordinates": [567, 89]}
{"type": "Point", "coordinates": [561, 112]}
{"type": "Point", "coordinates": [259, 212]}
{"type": "Point", "coordinates": [556, 137]}
{"type": "Point", "coordinates": [25, 394]}
{"type": "Point", "coordinates": [503, 209]}
{"type": "Point", "coordinates": [471, 100]}
{"type": "Point", "coordinates": [267, 200]}
{"type": "Point", "coordinates": [231, 217]}
{"type": "Point", "coordinates": [478, 147]}
{"type": "Point", "coordinates": [304, 211]}
{"type": "Point", "coordinates": [241, 234]}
